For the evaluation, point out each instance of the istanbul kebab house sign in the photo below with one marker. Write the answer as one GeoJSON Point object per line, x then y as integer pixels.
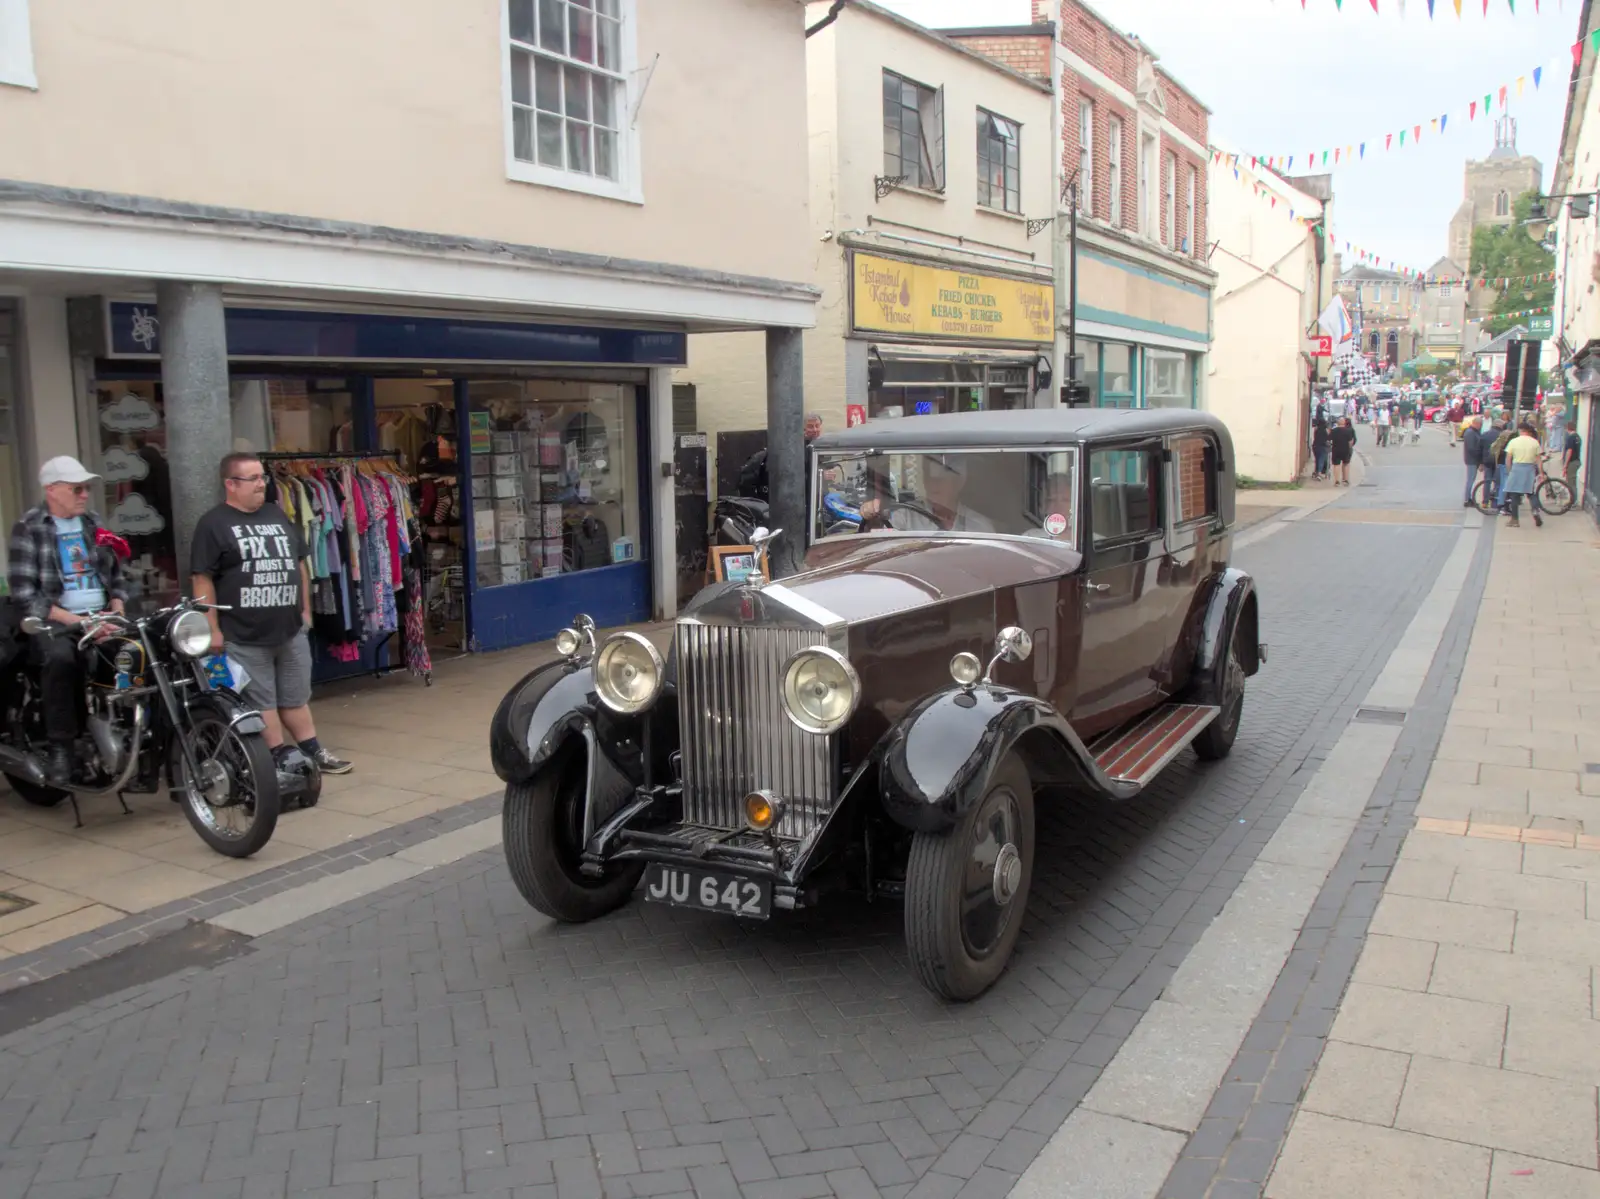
{"type": "Point", "coordinates": [915, 300]}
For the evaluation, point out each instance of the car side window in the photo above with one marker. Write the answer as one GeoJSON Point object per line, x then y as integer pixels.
{"type": "Point", "coordinates": [1194, 486]}
{"type": "Point", "coordinates": [1123, 497]}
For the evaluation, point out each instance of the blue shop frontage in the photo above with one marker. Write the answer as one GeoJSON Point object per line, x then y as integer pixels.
{"type": "Point", "coordinates": [520, 453]}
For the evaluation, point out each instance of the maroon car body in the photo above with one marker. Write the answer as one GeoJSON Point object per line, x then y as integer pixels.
{"type": "Point", "coordinates": [882, 721]}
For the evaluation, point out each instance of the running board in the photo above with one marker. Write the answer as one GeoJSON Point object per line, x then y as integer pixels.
{"type": "Point", "coordinates": [1142, 750]}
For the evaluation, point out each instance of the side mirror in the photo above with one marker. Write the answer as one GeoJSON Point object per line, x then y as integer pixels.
{"type": "Point", "coordinates": [32, 626]}
{"type": "Point", "coordinates": [1011, 644]}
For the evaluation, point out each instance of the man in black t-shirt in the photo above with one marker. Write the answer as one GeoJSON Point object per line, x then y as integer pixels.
{"type": "Point", "coordinates": [1571, 459]}
{"type": "Point", "coordinates": [248, 556]}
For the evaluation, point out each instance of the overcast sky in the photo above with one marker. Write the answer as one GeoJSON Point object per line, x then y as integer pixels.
{"type": "Point", "coordinates": [1281, 81]}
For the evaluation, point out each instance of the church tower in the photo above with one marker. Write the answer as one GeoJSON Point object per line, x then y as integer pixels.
{"type": "Point", "coordinates": [1490, 188]}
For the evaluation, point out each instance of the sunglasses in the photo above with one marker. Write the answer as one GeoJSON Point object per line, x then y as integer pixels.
{"type": "Point", "coordinates": [75, 488]}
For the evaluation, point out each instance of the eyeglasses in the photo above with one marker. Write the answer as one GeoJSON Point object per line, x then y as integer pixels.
{"type": "Point", "coordinates": [247, 478]}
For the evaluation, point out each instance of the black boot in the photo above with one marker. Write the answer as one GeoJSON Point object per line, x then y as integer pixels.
{"type": "Point", "coordinates": [58, 766]}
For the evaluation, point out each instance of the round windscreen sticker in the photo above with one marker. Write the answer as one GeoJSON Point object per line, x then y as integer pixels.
{"type": "Point", "coordinates": [1055, 524]}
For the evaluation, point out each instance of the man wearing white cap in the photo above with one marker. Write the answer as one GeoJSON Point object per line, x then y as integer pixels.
{"type": "Point", "coordinates": [60, 572]}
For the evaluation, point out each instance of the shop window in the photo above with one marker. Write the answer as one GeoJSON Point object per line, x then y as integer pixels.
{"type": "Point", "coordinates": [11, 488]}
{"type": "Point", "coordinates": [555, 483]}
{"type": "Point", "coordinates": [308, 415]}
{"type": "Point", "coordinates": [16, 45]}
{"type": "Point", "coordinates": [1168, 379]}
{"type": "Point", "coordinates": [923, 387]}
{"type": "Point", "coordinates": [913, 132]}
{"type": "Point", "coordinates": [569, 64]}
{"type": "Point", "coordinates": [138, 486]}
{"type": "Point", "coordinates": [999, 163]}
{"type": "Point", "coordinates": [1118, 386]}
{"type": "Point", "coordinates": [1194, 464]}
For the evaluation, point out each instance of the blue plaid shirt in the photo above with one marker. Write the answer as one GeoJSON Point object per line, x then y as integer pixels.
{"type": "Point", "coordinates": [34, 573]}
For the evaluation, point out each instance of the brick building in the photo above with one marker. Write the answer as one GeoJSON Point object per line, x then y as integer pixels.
{"type": "Point", "coordinates": [1134, 141]}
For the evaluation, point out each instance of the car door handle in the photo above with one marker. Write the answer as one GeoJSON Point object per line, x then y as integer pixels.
{"type": "Point", "coordinates": [1099, 586]}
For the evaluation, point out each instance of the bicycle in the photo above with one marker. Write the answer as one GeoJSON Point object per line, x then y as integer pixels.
{"type": "Point", "coordinates": [1554, 496]}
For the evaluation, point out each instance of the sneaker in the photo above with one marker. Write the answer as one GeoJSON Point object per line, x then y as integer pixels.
{"type": "Point", "coordinates": [331, 764]}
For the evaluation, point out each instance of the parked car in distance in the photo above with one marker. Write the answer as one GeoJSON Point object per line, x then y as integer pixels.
{"type": "Point", "coordinates": [1033, 602]}
{"type": "Point", "coordinates": [1435, 412]}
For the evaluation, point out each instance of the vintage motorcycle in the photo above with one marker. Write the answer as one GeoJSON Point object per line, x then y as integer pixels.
{"type": "Point", "coordinates": [150, 713]}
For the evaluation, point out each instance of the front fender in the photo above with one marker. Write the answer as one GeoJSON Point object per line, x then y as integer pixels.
{"type": "Point", "coordinates": [1233, 602]}
{"type": "Point", "coordinates": [537, 715]}
{"type": "Point", "coordinates": [240, 715]}
{"type": "Point", "coordinates": [939, 760]}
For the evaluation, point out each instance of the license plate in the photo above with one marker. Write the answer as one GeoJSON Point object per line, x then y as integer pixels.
{"type": "Point", "coordinates": [708, 890]}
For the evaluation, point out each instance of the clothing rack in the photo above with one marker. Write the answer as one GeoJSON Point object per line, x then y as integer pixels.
{"type": "Point", "coordinates": [350, 458]}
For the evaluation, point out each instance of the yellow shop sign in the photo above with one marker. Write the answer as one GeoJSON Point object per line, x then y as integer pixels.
{"type": "Point", "coordinates": [928, 301]}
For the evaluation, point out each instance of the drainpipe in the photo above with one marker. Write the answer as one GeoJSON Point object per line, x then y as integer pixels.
{"type": "Point", "coordinates": [829, 18]}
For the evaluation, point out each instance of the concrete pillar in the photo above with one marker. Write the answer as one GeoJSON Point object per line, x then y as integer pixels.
{"type": "Point", "coordinates": [786, 448]}
{"type": "Point", "coordinates": [194, 381]}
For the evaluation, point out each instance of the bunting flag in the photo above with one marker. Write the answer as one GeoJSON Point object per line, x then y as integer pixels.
{"type": "Point", "coordinates": [1495, 98]}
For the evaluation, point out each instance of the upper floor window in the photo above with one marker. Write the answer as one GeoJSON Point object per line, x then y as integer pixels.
{"type": "Point", "coordinates": [913, 132]}
{"type": "Point", "coordinates": [1170, 204]}
{"type": "Point", "coordinates": [1191, 243]}
{"type": "Point", "coordinates": [1444, 290]}
{"type": "Point", "coordinates": [1114, 169]}
{"type": "Point", "coordinates": [16, 45]}
{"type": "Point", "coordinates": [569, 95]}
{"type": "Point", "coordinates": [1502, 204]}
{"type": "Point", "coordinates": [1395, 293]}
{"type": "Point", "coordinates": [999, 162]}
{"type": "Point", "coordinates": [1085, 155]}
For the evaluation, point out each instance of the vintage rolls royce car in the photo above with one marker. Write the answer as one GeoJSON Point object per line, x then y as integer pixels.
{"type": "Point", "coordinates": [994, 607]}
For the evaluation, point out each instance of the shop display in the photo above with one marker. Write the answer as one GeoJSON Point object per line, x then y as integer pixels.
{"type": "Point", "coordinates": [355, 514]}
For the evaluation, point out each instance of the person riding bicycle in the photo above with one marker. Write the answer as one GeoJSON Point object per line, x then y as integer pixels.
{"type": "Point", "coordinates": [63, 568]}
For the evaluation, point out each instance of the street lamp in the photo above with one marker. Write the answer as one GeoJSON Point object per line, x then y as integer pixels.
{"type": "Point", "coordinates": [1539, 219]}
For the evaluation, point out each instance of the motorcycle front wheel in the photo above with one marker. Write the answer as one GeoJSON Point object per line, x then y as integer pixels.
{"type": "Point", "coordinates": [234, 802]}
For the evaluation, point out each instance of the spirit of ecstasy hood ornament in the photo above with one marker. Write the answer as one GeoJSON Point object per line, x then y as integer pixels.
{"type": "Point", "coordinates": [759, 541]}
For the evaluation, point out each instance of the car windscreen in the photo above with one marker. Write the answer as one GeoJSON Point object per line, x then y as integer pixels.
{"type": "Point", "coordinates": [1010, 492]}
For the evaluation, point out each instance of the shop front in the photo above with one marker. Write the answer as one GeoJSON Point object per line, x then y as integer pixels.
{"type": "Point", "coordinates": [1144, 322]}
{"type": "Point", "coordinates": [514, 454]}
{"type": "Point", "coordinates": [931, 337]}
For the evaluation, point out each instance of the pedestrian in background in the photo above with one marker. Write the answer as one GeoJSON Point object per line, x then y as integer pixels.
{"type": "Point", "coordinates": [1522, 475]}
{"type": "Point", "coordinates": [1571, 459]}
{"type": "Point", "coordinates": [1319, 448]}
{"type": "Point", "coordinates": [1471, 455]}
{"type": "Point", "coordinates": [1342, 441]}
{"type": "Point", "coordinates": [1502, 439]}
{"type": "Point", "coordinates": [1380, 421]}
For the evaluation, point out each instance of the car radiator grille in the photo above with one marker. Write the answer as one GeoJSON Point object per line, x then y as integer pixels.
{"type": "Point", "coordinates": [736, 737]}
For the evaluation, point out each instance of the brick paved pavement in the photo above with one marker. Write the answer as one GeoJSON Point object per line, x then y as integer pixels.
{"type": "Point", "coordinates": [443, 1040]}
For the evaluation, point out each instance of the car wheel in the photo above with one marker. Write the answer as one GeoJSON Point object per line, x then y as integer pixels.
{"type": "Point", "coordinates": [542, 825]}
{"type": "Point", "coordinates": [1216, 739]}
{"type": "Point", "coordinates": [967, 890]}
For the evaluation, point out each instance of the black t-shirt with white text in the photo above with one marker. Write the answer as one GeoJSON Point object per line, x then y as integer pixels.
{"type": "Point", "coordinates": [254, 560]}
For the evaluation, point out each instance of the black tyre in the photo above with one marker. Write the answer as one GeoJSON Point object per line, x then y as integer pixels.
{"type": "Point", "coordinates": [967, 890]}
{"type": "Point", "coordinates": [234, 802]}
{"type": "Point", "coordinates": [1216, 739]}
{"type": "Point", "coordinates": [1483, 496]}
{"type": "Point", "coordinates": [1555, 497]}
{"type": "Point", "coordinates": [39, 796]}
{"type": "Point", "coordinates": [542, 825]}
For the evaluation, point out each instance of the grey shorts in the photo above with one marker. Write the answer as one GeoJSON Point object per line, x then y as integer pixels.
{"type": "Point", "coordinates": [280, 676]}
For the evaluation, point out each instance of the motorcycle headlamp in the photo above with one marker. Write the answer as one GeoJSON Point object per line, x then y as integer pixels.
{"type": "Point", "coordinates": [191, 634]}
{"type": "Point", "coordinates": [820, 690]}
{"type": "Point", "coordinates": [628, 673]}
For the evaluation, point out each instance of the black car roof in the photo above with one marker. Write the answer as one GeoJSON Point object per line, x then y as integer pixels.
{"type": "Point", "coordinates": [1025, 426]}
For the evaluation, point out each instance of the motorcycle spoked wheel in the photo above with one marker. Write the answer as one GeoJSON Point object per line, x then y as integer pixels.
{"type": "Point", "coordinates": [234, 804]}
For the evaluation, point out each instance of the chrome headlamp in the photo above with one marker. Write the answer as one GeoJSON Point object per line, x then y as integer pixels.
{"type": "Point", "coordinates": [628, 673]}
{"type": "Point", "coordinates": [820, 690]}
{"type": "Point", "coordinates": [190, 634]}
